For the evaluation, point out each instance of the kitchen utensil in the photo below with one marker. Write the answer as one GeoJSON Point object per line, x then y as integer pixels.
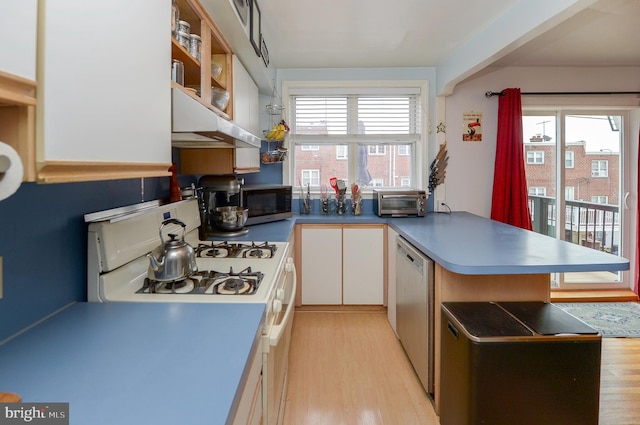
{"type": "Point", "coordinates": [341, 186]}
{"type": "Point", "coordinates": [305, 200]}
{"type": "Point", "coordinates": [230, 217]}
{"type": "Point", "coordinates": [333, 182]}
{"type": "Point", "coordinates": [173, 259]}
{"type": "Point", "coordinates": [323, 191]}
{"type": "Point", "coordinates": [356, 205]}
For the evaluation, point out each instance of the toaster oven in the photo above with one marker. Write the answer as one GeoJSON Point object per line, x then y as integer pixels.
{"type": "Point", "coordinates": [400, 202]}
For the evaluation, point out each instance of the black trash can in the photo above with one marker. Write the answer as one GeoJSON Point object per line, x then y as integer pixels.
{"type": "Point", "coordinates": [517, 363]}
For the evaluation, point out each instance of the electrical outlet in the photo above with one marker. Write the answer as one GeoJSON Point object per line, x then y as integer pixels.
{"type": "Point", "coordinates": [439, 207]}
{"type": "Point", "coordinates": [0, 277]}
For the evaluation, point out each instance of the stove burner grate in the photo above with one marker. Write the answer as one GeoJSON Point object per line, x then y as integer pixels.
{"type": "Point", "coordinates": [236, 250]}
{"type": "Point", "coordinates": [245, 282]}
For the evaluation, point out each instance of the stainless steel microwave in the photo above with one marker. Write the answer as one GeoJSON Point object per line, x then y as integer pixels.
{"type": "Point", "coordinates": [266, 203]}
{"type": "Point", "coordinates": [400, 202]}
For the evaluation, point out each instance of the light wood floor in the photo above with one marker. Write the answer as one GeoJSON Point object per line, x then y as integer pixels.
{"type": "Point", "coordinates": [348, 368]}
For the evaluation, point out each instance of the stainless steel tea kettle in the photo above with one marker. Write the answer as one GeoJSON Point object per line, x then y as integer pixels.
{"type": "Point", "coordinates": [174, 259]}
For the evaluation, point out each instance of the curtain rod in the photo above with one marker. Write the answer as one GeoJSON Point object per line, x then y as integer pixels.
{"type": "Point", "coordinates": [490, 93]}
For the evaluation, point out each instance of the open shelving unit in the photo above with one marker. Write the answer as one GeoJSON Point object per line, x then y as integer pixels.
{"type": "Point", "coordinates": [214, 50]}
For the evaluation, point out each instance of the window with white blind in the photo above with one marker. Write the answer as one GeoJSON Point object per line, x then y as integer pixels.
{"type": "Point", "coordinates": [368, 135]}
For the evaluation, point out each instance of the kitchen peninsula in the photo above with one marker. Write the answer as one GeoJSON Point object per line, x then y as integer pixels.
{"type": "Point", "coordinates": [478, 259]}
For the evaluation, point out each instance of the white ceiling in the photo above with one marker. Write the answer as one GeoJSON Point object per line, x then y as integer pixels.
{"type": "Point", "coordinates": [605, 34]}
{"type": "Point", "coordinates": [422, 33]}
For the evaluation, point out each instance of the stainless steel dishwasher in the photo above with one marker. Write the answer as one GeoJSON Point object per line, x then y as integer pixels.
{"type": "Point", "coordinates": [414, 309]}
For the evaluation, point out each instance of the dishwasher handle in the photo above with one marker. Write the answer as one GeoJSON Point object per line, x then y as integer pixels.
{"type": "Point", "coordinates": [413, 258]}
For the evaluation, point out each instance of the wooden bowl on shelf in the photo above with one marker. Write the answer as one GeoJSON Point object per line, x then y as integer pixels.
{"type": "Point", "coordinates": [9, 398]}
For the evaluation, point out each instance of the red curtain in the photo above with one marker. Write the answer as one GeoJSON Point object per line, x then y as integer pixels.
{"type": "Point", "coordinates": [509, 203]}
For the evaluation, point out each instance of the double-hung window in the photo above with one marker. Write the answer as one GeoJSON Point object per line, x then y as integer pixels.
{"type": "Point", "coordinates": [370, 134]}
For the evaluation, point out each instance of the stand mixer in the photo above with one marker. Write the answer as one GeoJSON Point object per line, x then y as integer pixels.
{"type": "Point", "coordinates": [221, 211]}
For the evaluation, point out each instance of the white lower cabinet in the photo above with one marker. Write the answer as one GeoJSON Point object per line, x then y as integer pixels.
{"type": "Point", "coordinates": [249, 411]}
{"type": "Point", "coordinates": [343, 264]}
{"type": "Point", "coordinates": [321, 264]}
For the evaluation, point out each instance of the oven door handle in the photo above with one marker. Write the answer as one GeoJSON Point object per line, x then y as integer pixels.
{"type": "Point", "coordinates": [276, 330]}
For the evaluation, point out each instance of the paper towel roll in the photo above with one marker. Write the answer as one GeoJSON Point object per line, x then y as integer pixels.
{"type": "Point", "coordinates": [11, 171]}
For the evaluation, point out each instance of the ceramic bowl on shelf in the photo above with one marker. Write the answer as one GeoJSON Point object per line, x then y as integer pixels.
{"type": "Point", "coordinates": [219, 98]}
{"type": "Point", "coordinates": [216, 70]}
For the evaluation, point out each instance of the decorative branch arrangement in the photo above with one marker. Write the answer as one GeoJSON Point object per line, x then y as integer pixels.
{"type": "Point", "coordinates": [438, 168]}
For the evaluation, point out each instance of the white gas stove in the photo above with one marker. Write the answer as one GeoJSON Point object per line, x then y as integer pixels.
{"type": "Point", "coordinates": [228, 271]}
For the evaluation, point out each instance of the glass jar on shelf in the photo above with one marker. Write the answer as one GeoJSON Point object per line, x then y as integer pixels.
{"type": "Point", "coordinates": [194, 46]}
{"type": "Point", "coordinates": [185, 27]}
{"type": "Point", "coordinates": [183, 39]}
{"type": "Point", "coordinates": [175, 17]}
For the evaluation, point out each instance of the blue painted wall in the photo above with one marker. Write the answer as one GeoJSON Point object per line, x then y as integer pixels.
{"type": "Point", "coordinates": [43, 243]}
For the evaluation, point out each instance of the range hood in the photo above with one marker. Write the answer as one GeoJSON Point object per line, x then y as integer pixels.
{"type": "Point", "coordinates": [196, 126]}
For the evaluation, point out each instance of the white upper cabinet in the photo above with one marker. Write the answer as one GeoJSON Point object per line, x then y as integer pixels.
{"type": "Point", "coordinates": [104, 89]}
{"type": "Point", "coordinates": [18, 23]}
{"type": "Point", "coordinates": [246, 114]}
{"type": "Point", "coordinates": [245, 99]}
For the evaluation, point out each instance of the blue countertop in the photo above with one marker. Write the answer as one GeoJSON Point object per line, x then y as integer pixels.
{"type": "Point", "coordinates": [280, 231]}
{"type": "Point", "coordinates": [466, 243]}
{"type": "Point", "coordinates": [143, 363]}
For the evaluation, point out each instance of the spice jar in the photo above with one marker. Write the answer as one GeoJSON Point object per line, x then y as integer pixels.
{"type": "Point", "coordinates": [194, 46]}
{"type": "Point", "coordinates": [184, 39]}
{"type": "Point", "coordinates": [175, 17]}
{"type": "Point", "coordinates": [184, 26]}
{"type": "Point", "coordinates": [177, 72]}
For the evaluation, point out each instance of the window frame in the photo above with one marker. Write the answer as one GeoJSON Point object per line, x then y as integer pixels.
{"type": "Point", "coordinates": [601, 172]}
{"type": "Point", "coordinates": [569, 156]}
{"type": "Point", "coordinates": [537, 190]}
{"type": "Point", "coordinates": [311, 171]}
{"type": "Point", "coordinates": [534, 157]}
{"type": "Point", "coordinates": [377, 150]}
{"type": "Point", "coordinates": [420, 144]}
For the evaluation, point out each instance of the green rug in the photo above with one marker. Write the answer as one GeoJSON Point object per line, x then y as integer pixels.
{"type": "Point", "coordinates": [610, 319]}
